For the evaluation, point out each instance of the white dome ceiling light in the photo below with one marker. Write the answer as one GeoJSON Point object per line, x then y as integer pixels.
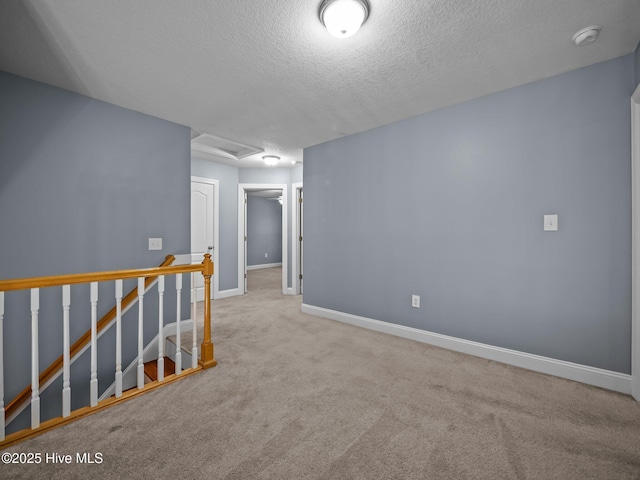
{"type": "Point", "coordinates": [343, 18]}
{"type": "Point", "coordinates": [271, 160]}
{"type": "Point", "coordinates": [587, 35]}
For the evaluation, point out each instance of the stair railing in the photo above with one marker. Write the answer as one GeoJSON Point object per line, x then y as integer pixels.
{"type": "Point", "coordinates": [145, 278]}
{"type": "Point", "coordinates": [53, 371]}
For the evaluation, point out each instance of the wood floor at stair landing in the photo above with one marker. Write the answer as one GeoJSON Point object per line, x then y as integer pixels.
{"type": "Point", "coordinates": [151, 369]}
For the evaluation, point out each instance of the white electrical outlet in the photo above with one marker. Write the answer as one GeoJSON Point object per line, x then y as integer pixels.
{"type": "Point", "coordinates": [266, 255]}
{"type": "Point", "coordinates": [415, 301]}
{"type": "Point", "coordinates": [155, 243]}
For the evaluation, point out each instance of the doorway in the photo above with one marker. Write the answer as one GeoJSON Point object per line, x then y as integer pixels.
{"type": "Point", "coordinates": [243, 191]}
{"type": "Point", "coordinates": [635, 245]}
{"type": "Point", "coordinates": [297, 239]}
{"type": "Point", "coordinates": [205, 229]}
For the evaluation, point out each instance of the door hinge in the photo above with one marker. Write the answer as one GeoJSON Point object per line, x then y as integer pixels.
{"type": "Point", "coordinates": [300, 199]}
{"type": "Point", "coordinates": [245, 275]}
{"type": "Point", "coordinates": [300, 237]}
{"type": "Point", "coordinates": [300, 276]}
{"type": "Point", "coordinates": [245, 238]}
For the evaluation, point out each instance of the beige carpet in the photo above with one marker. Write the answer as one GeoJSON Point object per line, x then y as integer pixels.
{"type": "Point", "coordinates": [299, 397]}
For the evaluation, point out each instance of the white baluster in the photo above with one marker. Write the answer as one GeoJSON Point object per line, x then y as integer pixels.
{"type": "Point", "coordinates": [93, 384]}
{"type": "Point", "coordinates": [66, 376]}
{"type": "Point", "coordinates": [118, 338]}
{"type": "Point", "coordinates": [140, 332]}
{"type": "Point", "coordinates": [178, 340]}
{"type": "Point", "coordinates": [160, 328]}
{"type": "Point", "coordinates": [35, 364]}
{"type": "Point", "coordinates": [1, 367]}
{"type": "Point", "coordinates": [194, 346]}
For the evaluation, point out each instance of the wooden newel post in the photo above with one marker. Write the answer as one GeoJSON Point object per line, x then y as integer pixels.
{"type": "Point", "coordinates": [206, 349]}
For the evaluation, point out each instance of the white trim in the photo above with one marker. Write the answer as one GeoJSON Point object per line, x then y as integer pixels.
{"type": "Point", "coordinates": [264, 265]}
{"type": "Point", "coordinates": [598, 377]}
{"type": "Point", "coordinates": [182, 259]}
{"type": "Point", "coordinates": [171, 349]}
{"type": "Point", "coordinates": [216, 231]}
{"type": "Point", "coordinates": [247, 187]}
{"type": "Point", "coordinates": [232, 292]}
{"type": "Point", "coordinates": [149, 353]}
{"type": "Point", "coordinates": [241, 232]}
{"type": "Point", "coordinates": [635, 244]}
{"type": "Point", "coordinates": [295, 245]}
{"type": "Point", "coordinates": [172, 329]}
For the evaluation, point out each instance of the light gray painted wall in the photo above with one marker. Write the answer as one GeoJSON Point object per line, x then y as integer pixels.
{"type": "Point", "coordinates": [264, 231]}
{"type": "Point", "coordinates": [449, 205]}
{"type": "Point", "coordinates": [296, 174]}
{"type": "Point", "coordinates": [264, 175]}
{"type": "Point", "coordinates": [228, 248]}
{"type": "Point", "coordinates": [83, 184]}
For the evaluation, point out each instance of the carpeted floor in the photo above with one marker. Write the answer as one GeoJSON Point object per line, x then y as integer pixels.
{"type": "Point", "coordinates": [299, 397]}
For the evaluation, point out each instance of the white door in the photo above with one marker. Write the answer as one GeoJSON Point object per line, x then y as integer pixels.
{"type": "Point", "coordinates": [300, 236]}
{"type": "Point", "coordinates": [245, 241]}
{"type": "Point", "coordinates": [202, 216]}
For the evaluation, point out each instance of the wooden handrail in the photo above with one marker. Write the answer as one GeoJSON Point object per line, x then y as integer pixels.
{"type": "Point", "coordinates": [58, 280]}
{"type": "Point", "coordinates": [38, 282]}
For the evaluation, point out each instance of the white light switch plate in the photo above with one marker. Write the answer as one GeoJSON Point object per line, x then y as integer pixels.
{"type": "Point", "coordinates": [155, 243]}
{"type": "Point", "coordinates": [551, 223]}
{"type": "Point", "coordinates": [415, 301]}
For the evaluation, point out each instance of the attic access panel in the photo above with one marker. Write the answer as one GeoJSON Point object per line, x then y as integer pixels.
{"type": "Point", "coordinates": [223, 147]}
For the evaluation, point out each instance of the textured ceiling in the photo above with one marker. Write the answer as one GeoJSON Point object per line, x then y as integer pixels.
{"type": "Point", "coordinates": [267, 74]}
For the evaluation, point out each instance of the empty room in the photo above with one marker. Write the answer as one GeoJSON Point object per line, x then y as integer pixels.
{"type": "Point", "coordinates": [455, 296]}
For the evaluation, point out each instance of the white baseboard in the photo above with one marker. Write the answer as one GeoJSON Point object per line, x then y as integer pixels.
{"type": "Point", "coordinates": [171, 328]}
{"type": "Point", "coordinates": [232, 292]}
{"type": "Point", "coordinates": [598, 377]}
{"type": "Point", "coordinates": [150, 352]}
{"type": "Point", "coordinates": [290, 291]}
{"type": "Point", "coordinates": [264, 265]}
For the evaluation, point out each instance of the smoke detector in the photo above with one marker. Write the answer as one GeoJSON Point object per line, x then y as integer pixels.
{"type": "Point", "coordinates": [587, 35]}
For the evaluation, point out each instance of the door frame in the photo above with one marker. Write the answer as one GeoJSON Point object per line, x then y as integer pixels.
{"type": "Point", "coordinates": [635, 244]}
{"type": "Point", "coordinates": [243, 189]}
{"type": "Point", "coordinates": [216, 231]}
{"type": "Point", "coordinates": [295, 231]}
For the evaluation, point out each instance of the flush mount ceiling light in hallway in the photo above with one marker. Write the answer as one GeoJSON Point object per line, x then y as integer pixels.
{"type": "Point", "coordinates": [343, 18]}
{"type": "Point", "coordinates": [271, 160]}
{"type": "Point", "coordinates": [587, 35]}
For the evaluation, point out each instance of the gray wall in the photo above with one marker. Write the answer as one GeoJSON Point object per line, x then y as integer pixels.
{"type": "Point", "coordinates": [449, 205]}
{"type": "Point", "coordinates": [264, 231]}
{"type": "Point", "coordinates": [296, 174]}
{"type": "Point", "coordinates": [83, 184]}
{"type": "Point", "coordinates": [264, 175]}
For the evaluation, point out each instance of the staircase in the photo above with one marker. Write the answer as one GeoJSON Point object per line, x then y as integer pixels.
{"type": "Point", "coordinates": [151, 367]}
{"type": "Point", "coordinates": [151, 370]}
